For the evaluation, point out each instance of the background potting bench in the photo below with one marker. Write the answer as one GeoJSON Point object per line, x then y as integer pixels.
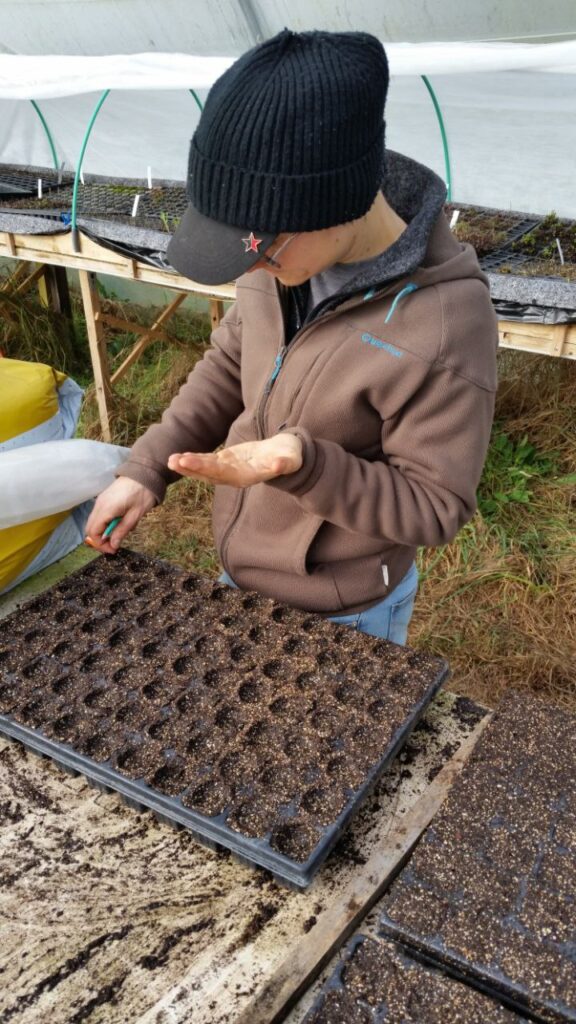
{"type": "Point", "coordinates": [185, 73]}
{"type": "Point", "coordinates": [49, 252]}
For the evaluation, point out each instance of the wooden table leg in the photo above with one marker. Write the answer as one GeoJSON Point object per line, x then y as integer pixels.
{"type": "Point", "coordinates": [98, 352]}
{"type": "Point", "coordinates": [147, 337]}
{"type": "Point", "coordinates": [57, 290]}
{"type": "Point", "coordinates": [216, 312]}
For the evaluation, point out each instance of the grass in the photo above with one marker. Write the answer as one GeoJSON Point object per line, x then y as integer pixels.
{"type": "Point", "coordinates": [30, 331]}
{"type": "Point", "coordinates": [500, 601]}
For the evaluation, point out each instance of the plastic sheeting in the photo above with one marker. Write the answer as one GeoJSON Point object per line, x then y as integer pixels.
{"type": "Point", "coordinates": [512, 135]}
{"type": "Point", "coordinates": [230, 26]}
{"type": "Point", "coordinates": [533, 314]}
{"type": "Point", "coordinates": [47, 76]}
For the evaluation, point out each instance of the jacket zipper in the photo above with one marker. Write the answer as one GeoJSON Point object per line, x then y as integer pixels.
{"type": "Point", "coordinates": [278, 363]}
{"type": "Point", "coordinates": [280, 355]}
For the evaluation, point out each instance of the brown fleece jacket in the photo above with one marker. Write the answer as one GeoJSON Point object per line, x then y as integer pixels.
{"type": "Point", "coordinates": [391, 390]}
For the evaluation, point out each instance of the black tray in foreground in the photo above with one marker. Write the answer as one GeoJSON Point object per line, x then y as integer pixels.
{"type": "Point", "coordinates": [204, 704]}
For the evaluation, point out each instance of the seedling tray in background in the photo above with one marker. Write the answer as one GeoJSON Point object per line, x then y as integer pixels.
{"type": "Point", "coordinates": [490, 891]}
{"type": "Point", "coordinates": [504, 254]}
{"type": "Point", "coordinates": [257, 726]}
{"type": "Point", "coordinates": [377, 982]}
{"type": "Point", "coordinates": [16, 184]}
{"type": "Point", "coordinates": [159, 208]}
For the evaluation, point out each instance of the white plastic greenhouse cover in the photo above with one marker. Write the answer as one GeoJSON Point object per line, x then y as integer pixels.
{"type": "Point", "coordinates": [48, 76]}
{"type": "Point", "coordinates": [510, 122]}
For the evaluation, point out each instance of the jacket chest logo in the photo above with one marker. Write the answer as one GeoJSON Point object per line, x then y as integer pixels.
{"type": "Point", "coordinates": [369, 339]}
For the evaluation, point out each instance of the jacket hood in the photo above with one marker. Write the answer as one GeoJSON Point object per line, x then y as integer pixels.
{"type": "Point", "coordinates": [426, 250]}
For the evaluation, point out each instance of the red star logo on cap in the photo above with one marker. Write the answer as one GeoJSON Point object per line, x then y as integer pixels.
{"type": "Point", "coordinates": [251, 243]}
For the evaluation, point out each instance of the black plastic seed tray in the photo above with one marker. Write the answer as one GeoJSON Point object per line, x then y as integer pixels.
{"type": "Point", "coordinates": [158, 208]}
{"type": "Point", "coordinates": [377, 982]}
{"type": "Point", "coordinates": [505, 254]}
{"type": "Point", "coordinates": [259, 727]}
{"type": "Point", "coordinates": [499, 257]}
{"type": "Point", "coordinates": [490, 893]}
{"type": "Point", "coordinates": [20, 185]}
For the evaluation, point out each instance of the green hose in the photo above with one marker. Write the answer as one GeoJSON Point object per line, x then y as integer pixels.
{"type": "Point", "coordinates": [444, 137]}
{"type": "Point", "coordinates": [95, 113]}
{"type": "Point", "coordinates": [47, 130]}
{"type": "Point", "coordinates": [192, 93]}
{"type": "Point", "coordinates": [75, 244]}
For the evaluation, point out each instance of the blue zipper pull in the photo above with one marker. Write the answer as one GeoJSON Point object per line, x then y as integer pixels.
{"type": "Point", "coordinates": [277, 367]}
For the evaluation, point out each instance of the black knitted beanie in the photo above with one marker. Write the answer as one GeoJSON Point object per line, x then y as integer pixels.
{"type": "Point", "coordinates": [292, 135]}
{"type": "Point", "coordinates": [291, 139]}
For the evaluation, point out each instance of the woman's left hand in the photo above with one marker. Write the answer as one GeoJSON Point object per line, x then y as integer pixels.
{"type": "Point", "coordinates": [242, 464]}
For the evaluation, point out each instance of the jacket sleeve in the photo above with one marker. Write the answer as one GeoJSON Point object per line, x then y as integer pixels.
{"type": "Point", "coordinates": [199, 417]}
{"type": "Point", "coordinates": [424, 488]}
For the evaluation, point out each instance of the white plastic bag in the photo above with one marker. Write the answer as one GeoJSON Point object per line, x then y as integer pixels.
{"type": "Point", "coordinates": [42, 479]}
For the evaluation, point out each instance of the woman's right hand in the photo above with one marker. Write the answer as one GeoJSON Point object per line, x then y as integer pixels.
{"type": "Point", "coordinates": [124, 498]}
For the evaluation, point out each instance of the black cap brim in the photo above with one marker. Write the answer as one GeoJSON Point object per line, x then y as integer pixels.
{"type": "Point", "coordinates": [213, 253]}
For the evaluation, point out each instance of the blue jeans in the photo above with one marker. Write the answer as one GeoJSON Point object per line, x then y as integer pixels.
{"type": "Point", "coordinates": [388, 618]}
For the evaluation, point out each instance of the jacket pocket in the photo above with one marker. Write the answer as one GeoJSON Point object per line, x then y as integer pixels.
{"type": "Point", "coordinates": [225, 506]}
{"type": "Point", "coordinates": [359, 580]}
{"type": "Point", "coordinates": [265, 529]}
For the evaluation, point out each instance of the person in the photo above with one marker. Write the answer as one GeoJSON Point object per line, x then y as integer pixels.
{"type": "Point", "coordinates": [352, 382]}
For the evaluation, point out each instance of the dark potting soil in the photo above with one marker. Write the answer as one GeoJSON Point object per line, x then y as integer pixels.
{"type": "Point", "coordinates": [491, 888]}
{"type": "Point", "coordinates": [377, 983]}
{"type": "Point", "coordinates": [222, 698]}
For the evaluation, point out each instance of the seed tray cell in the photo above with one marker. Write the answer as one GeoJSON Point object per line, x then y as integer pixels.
{"type": "Point", "coordinates": [491, 890]}
{"type": "Point", "coordinates": [376, 982]}
{"type": "Point", "coordinates": [259, 727]}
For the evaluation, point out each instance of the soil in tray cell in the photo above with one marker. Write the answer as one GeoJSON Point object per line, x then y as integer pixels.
{"type": "Point", "coordinates": [491, 888]}
{"type": "Point", "coordinates": [226, 701]}
{"type": "Point", "coordinates": [377, 983]}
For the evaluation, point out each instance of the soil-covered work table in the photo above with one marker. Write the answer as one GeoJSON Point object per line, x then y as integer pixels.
{"type": "Point", "coordinates": [110, 916]}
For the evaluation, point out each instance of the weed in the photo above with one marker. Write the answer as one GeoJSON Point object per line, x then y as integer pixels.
{"type": "Point", "coordinates": [509, 469]}
{"type": "Point", "coordinates": [169, 223]}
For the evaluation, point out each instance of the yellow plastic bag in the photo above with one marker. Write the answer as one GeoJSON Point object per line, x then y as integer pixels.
{"type": "Point", "coordinates": [29, 414]}
{"type": "Point", "coordinates": [28, 396]}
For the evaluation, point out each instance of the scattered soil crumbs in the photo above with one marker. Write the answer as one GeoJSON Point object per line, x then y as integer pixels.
{"type": "Point", "coordinates": [264, 913]}
{"type": "Point", "coordinates": [378, 984]}
{"type": "Point", "coordinates": [239, 708]}
{"type": "Point", "coordinates": [491, 888]}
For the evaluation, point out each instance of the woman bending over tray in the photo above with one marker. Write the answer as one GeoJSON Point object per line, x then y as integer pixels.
{"type": "Point", "coordinates": [352, 382]}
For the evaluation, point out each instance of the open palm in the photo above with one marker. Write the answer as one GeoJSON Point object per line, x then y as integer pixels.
{"type": "Point", "coordinates": [242, 465]}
